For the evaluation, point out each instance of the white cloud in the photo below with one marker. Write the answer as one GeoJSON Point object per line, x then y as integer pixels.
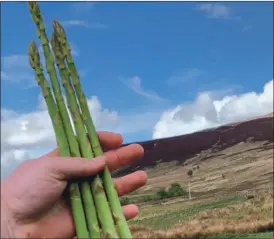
{"type": "Point", "coordinates": [83, 23]}
{"type": "Point", "coordinates": [30, 135]}
{"type": "Point", "coordinates": [134, 83]}
{"type": "Point", "coordinates": [82, 7]}
{"type": "Point", "coordinates": [25, 135]}
{"type": "Point", "coordinates": [206, 112]}
{"type": "Point", "coordinates": [215, 10]}
{"type": "Point", "coordinates": [16, 68]}
{"type": "Point", "coordinates": [7, 114]}
{"type": "Point", "coordinates": [19, 61]}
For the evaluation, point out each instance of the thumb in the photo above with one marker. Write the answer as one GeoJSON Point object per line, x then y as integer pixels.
{"type": "Point", "coordinates": [66, 168]}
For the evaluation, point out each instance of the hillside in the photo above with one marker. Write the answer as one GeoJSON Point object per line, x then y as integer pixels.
{"type": "Point", "coordinates": [231, 190]}
{"type": "Point", "coordinates": [181, 148]}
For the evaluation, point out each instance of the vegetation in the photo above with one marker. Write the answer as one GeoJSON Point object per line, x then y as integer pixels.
{"type": "Point", "coordinates": [175, 216]}
{"type": "Point", "coordinates": [162, 193]}
{"type": "Point", "coordinates": [95, 205]}
{"type": "Point", "coordinates": [125, 201]}
{"type": "Point", "coordinates": [226, 218]}
{"type": "Point", "coordinates": [246, 236]}
{"type": "Point", "coordinates": [190, 173]}
{"type": "Point", "coordinates": [90, 200]}
{"type": "Point", "coordinates": [175, 190]}
{"type": "Point", "coordinates": [241, 206]}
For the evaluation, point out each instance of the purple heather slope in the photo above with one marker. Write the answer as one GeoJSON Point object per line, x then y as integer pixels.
{"type": "Point", "coordinates": [182, 147]}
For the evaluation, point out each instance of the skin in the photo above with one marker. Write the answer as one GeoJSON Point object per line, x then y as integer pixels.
{"type": "Point", "coordinates": [33, 199]}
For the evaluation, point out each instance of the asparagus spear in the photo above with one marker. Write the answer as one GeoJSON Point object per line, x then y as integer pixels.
{"type": "Point", "coordinates": [37, 18]}
{"type": "Point", "coordinates": [62, 143]}
{"type": "Point", "coordinates": [104, 212]}
{"type": "Point", "coordinates": [92, 222]}
{"type": "Point", "coordinates": [112, 195]}
{"type": "Point", "coordinates": [72, 141]}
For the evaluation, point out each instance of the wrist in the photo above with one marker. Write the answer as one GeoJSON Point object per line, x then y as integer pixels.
{"type": "Point", "coordinates": [9, 227]}
{"type": "Point", "coordinates": [7, 224]}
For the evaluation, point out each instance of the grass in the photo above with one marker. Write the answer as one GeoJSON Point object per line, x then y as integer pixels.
{"type": "Point", "coordinates": [226, 218]}
{"type": "Point", "coordinates": [267, 235]}
{"type": "Point", "coordinates": [166, 220]}
{"type": "Point", "coordinates": [245, 166]}
{"type": "Point", "coordinates": [219, 208]}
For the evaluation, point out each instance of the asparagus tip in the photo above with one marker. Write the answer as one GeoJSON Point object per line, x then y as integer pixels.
{"type": "Point", "coordinates": [35, 11]}
{"type": "Point", "coordinates": [60, 31]}
{"type": "Point", "coordinates": [33, 5]}
{"type": "Point", "coordinates": [56, 47]}
{"type": "Point", "coordinates": [33, 54]}
{"type": "Point", "coordinates": [57, 25]}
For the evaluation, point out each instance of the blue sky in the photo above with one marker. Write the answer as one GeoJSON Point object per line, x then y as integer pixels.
{"type": "Point", "coordinates": [173, 50]}
{"type": "Point", "coordinates": [149, 70]}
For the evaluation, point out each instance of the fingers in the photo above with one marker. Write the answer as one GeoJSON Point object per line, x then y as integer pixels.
{"type": "Point", "coordinates": [130, 183]}
{"type": "Point", "coordinates": [108, 141]}
{"type": "Point", "coordinates": [123, 156]}
{"type": "Point", "coordinates": [69, 168]}
{"type": "Point", "coordinates": [130, 211]}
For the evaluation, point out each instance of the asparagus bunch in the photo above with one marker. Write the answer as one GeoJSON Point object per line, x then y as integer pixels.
{"type": "Point", "coordinates": [64, 147]}
{"type": "Point", "coordinates": [111, 192]}
{"type": "Point", "coordinates": [104, 212]}
{"type": "Point", "coordinates": [89, 200]}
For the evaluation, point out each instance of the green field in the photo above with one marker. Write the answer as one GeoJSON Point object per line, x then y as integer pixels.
{"type": "Point", "coordinates": [169, 218]}
{"type": "Point", "coordinates": [267, 235]}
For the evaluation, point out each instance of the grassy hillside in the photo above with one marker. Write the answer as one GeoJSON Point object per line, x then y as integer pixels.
{"type": "Point", "coordinates": [231, 188]}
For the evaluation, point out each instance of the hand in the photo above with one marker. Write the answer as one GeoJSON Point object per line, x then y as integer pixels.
{"type": "Point", "coordinates": [32, 202]}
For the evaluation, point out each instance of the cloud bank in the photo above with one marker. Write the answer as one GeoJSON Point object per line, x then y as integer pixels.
{"type": "Point", "coordinates": [27, 135]}
{"type": "Point", "coordinates": [206, 112]}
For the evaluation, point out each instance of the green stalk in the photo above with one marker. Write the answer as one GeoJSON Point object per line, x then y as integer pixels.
{"type": "Point", "coordinates": [104, 212]}
{"type": "Point", "coordinates": [109, 186]}
{"type": "Point", "coordinates": [37, 18]}
{"type": "Point", "coordinates": [62, 143]}
{"type": "Point", "coordinates": [72, 141]}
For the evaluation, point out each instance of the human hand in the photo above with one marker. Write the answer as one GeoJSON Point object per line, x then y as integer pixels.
{"type": "Point", "coordinates": [32, 202]}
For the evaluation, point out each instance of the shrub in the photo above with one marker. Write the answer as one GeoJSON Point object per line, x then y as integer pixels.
{"type": "Point", "coordinates": [189, 172]}
{"type": "Point", "coordinates": [162, 193]}
{"type": "Point", "coordinates": [176, 190]}
{"type": "Point", "coordinates": [147, 198]}
{"type": "Point", "coordinates": [125, 201]}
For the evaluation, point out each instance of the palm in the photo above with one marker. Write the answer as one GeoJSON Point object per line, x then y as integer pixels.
{"type": "Point", "coordinates": [42, 207]}
{"type": "Point", "coordinates": [55, 223]}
